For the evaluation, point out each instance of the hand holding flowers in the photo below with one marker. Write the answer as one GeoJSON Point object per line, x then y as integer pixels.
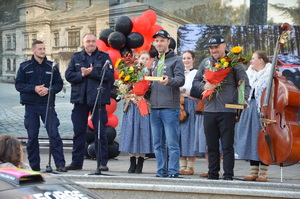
{"type": "Point", "coordinates": [131, 83]}
{"type": "Point", "coordinates": [216, 72]}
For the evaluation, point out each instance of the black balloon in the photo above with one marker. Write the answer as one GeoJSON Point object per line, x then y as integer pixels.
{"type": "Point", "coordinates": [104, 35]}
{"type": "Point", "coordinates": [116, 40]}
{"type": "Point", "coordinates": [124, 25]}
{"type": "Point", "coordinates": [110, 134]}
{"type": "Point", "coordinates": [86, 154]}
{"type": "Point", "coordinates": [153, 52]}
{"type": "Point", "coordinates": [90, 135]}
{"type": "Point", "coordinates": [125, 51]}
{"type": "Point", "coordinates": [113, 150]}
{"type": "Point", "coordinates": [91, 150]}
{"type": "Point", "coordinates": [172, 43]}
{"type": "Point", "coordinates": [134, 40]}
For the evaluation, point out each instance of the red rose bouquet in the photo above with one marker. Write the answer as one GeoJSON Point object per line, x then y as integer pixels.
{"type": "Point", "coordinates": [215, 73]}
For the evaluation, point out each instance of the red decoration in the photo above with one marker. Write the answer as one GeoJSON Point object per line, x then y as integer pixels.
{"type": "Point", "coordinates": [112, 107]}
{"type": "Point", "coordinates": [101, 45]}
{"type": "Point", "coordinates": [151, 16]}
{"type": "Point", "coordinates": [154, 28]}
{"type": "Point", "coordinates": [90, 123]}
{"type": "Point", "coordinates": [214, 77]}
{"type": "Point", "coordinates": [112, 120]}
{"type": "Point", "coordinates": [114, 55]}
{"type": "Point", "coordinates": [141, 25]}
{"type": "Point", "coordinates": [140, 88]}
{"type": "Point", "coordinates": [116, 73]}
{"type": "Point", "coordinates": [143, 107]}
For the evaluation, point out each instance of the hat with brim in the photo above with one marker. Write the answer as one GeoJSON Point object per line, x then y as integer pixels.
{"type": "Point", "coordinates": [215, 40]}
{"type": "Point", "coordinates": [162, 33]}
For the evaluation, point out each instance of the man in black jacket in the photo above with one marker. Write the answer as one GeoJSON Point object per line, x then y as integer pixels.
{"type": "Point", "coordinates": [219, 121]}
{"type": "Point", "coordinates": [84, 73]}
{"type": "Point", "coordinates": [32, 81]}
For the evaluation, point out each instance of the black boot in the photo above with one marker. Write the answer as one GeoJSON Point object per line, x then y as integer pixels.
{"type": "Point", "coordinates": [139, 166]}
{"type": "Point", "coordinates": [132, 165]}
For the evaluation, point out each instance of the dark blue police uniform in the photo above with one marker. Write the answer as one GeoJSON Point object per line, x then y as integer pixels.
{"type": "Point", "coordinates": [29, 75]}
{"type": "Point", "coordinates": [83, 96]}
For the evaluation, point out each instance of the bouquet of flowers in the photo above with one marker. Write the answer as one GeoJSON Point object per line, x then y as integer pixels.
{"type": "Point", "coordinates": [215, 73]}
{"type": "Point", "coordinates": [131, 84]}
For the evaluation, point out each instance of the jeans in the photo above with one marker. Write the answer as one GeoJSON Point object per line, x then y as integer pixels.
{"type": "Point", "coordinates": [165, 133]}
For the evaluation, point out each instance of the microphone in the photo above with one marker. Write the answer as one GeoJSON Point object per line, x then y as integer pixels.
{"type": "Point", "coordinates": [107, 62]}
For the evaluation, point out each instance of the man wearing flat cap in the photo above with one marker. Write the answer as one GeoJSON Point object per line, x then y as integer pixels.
{"type": "Point", "coordinates": [165, 105]}
{"type": "Point", "coordinates": [219, 121]}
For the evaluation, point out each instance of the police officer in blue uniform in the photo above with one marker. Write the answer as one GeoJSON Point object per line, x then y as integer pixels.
{"type": "Point", "coordinates": [32, 81]}
{"type": "Point", "coordinates": [84, 72]}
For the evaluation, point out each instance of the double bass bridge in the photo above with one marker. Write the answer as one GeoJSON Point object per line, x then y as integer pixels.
{"type": "Point", "coordinates": [267, 121]}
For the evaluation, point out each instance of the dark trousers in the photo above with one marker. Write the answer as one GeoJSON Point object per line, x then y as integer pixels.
{"type": "Point", "coordinates": [219, 126]}
{"type": "Point", "coordinates": [33, 113]}
{"type": "Point", "coordinates": [80, 119]}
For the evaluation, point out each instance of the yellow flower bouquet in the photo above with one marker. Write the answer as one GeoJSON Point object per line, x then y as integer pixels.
{"type": "Point", "coordinates": [131, 84]}
{"type": "Point", "coordinates": [216, 72]}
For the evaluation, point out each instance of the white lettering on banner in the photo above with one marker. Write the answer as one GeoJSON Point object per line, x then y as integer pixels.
{"type": "Point", "coordinates": [60, 195]}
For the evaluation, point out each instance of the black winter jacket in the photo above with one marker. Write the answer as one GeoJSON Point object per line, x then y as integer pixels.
{"type": "Point", "coordinates": [84, 89]}
{"type": "Point", "coordinates": [31, 74]}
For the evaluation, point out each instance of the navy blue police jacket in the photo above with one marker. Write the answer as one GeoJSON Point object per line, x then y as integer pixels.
{"type": "Point", "coordinates": [31, 74]}
{"type": "Point", "coordinates": [84, 89]}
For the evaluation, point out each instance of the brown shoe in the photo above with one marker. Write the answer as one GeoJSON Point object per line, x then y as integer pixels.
{"type": "Point", "coordinates": [262, 179]}
{"type": "Point", "coordinates": [262, 175]}
{"type": "Point", "coordinates": [250, 178]}
{"type": "Point", "coordinates": [188, 172]}
{"type": "Point", "coordinates": [203, 175]}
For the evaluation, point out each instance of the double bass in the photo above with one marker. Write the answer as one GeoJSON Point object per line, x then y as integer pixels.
{"type": "Point", "coordinates": [279, 138]}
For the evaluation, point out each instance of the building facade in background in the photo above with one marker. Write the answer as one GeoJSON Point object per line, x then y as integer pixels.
{"type": "Point", "coordinates": [62, 30]}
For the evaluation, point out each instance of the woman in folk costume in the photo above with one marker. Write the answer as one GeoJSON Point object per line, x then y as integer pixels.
{"type": "Point", "coordinates": [249, 125]}
{"type": "Point", "coordinates": [187, 127]}
{"type": "Point", "coordinates": [136, 136]}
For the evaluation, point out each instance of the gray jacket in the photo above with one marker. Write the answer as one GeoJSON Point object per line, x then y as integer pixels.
{"type": "Point", "coordinates": [228, 92]}
{"type": "Point", "coordinates": [168, 96]}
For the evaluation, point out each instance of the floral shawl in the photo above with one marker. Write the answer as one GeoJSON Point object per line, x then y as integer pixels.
{"type": "Point", "coordinates": [258, 82]}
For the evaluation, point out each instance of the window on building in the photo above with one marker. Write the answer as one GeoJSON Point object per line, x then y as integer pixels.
{"type": "Point", "coordinates": [34, 37]}
{"type": "Point", "coordinates": [8, 44]}
{"type": "Point", "coordinates": [14, 65]}
{"type": "Point", "coordinates": [93, 31]}
{"type": "Point", "coordinates": [74, 39]}
{"type": "Point", "coordinates": [26, 38]}
{"type": "Point", "coordinates": [14, 44]}
{"type": "Point", "coordinates": [56, 39]}
{"type": "Point", "coordinates": [8, 65]}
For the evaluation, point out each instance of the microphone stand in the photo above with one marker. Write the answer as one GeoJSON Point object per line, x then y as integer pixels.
{"type": "Point", "coordinates": [99, 96]}
{"type": "Point", "coordinates": [49, 111]}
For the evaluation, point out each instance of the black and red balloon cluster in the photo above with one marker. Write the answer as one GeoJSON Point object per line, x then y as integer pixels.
{"type": "Point", "coordinates": [129, 34]}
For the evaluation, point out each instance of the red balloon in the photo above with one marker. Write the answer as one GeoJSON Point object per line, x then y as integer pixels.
{"type": "Point", "coordinates": [112, 120]}
{"type": "Point", "coordinates": [112, 107]}
{"type": "Point", "coordinates": [146, 46]}
{"type": "Point", "coordinates": [141, 25]}
{"type": "Point", "coordinates": [151, 16]}
{"type": "Point", "coordinates": [154, 29]}
{"type": "Point", "coordinates": [116, 73]}
{"type": "Point", "coordinates": [90, 122]}
{"type": "Point", "coordinates": [101, 45]}
{"type": "Point", "coordinates": [114, 55]}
